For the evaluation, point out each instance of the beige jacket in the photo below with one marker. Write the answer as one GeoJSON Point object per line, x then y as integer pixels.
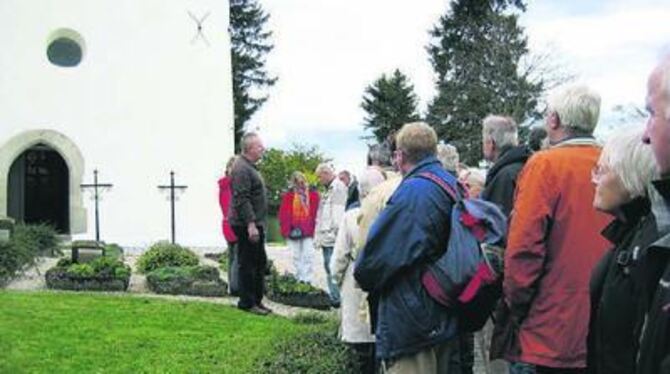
{"type": "Point", "coordinates": [373, 204]}
{"type": "Point", "coordinates": [330, 213]}
{"type": "Point", "coordinates": [355, 323]}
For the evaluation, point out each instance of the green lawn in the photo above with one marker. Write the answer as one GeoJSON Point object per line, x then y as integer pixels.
{"type": "Point", "coordinates": [47, 332]}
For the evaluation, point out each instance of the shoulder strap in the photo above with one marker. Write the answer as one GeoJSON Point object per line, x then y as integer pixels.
{"type": "Point", "coordinates": [446, 187]}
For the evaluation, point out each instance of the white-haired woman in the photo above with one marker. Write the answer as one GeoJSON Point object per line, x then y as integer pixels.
{"type": "Point", "coordinates": [618, 283]}
{"type": "Point", "coordinates": [355, 324]}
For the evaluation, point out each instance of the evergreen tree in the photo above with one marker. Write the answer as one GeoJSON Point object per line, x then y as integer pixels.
{"type": "Point", "coordinates": [250, 43]}
{"type": "Point", "coordinates": [475, 51]}
{"type": "Point", "coordinates": [389, 103]}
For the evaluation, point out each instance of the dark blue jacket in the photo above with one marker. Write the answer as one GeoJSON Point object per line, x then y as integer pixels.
{"type": "Point", "coordinates": [411, 231]}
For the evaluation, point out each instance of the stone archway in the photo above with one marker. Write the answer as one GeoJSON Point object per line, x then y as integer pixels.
{"type": "Point", "coordinates": [59, 154]}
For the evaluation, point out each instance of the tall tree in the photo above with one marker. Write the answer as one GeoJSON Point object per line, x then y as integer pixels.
{"type": "Point", "coordinates": [250, 43]}
{"type": "Point", "coordinates": [475, 50]}
{"type": "Point", "coordinates": [389, 103]}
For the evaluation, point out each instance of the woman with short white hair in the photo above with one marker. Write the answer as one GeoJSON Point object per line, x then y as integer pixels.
{"type": "Point", "coordinates": [355, 321]}
{"type": "Point", "coordinates": [618, 283]}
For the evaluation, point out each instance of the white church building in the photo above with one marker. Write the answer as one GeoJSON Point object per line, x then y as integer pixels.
{"type": "Point", "coordinates": [131, 88]}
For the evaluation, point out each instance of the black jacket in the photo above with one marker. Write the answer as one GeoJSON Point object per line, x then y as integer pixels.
{"type": "Point", "coordinates": [655, 347]}
{"type": "Point", "coordinates": [501, 178]}
{"type": "Point", "coordinates": [619, 292]}
{"type": "Point", "coordinates": [249, 202]}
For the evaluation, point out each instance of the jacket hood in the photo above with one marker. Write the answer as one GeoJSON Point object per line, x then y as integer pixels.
{"type": "Point", "coordinates": [518, 154]}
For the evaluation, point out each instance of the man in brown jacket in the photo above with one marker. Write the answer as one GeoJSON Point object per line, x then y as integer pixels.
{"type": "Point", "coordinates": [554, 240]}
{"type": "Point", "coordinates": [247, 218]}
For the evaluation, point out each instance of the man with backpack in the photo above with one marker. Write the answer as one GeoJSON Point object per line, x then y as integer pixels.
{"type": "Point", "coordinates": [554, 242]}
{"type": "Point", "coordinates": [414, 333]}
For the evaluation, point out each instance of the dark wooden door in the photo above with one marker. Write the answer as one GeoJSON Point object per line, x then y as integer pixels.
{"type": "Point", "coordinates": [39, 189]}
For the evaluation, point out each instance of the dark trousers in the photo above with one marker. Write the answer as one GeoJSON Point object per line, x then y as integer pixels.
{"type": "Point", "coordinates": [365, 355]}
{"type": "Point", "coordinates": [252, 261]}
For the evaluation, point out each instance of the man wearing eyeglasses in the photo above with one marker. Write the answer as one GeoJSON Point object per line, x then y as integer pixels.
{"type": "Point", "coordinates": [554, 242]}
{"type": "Point", "coordinates": [654, 354]}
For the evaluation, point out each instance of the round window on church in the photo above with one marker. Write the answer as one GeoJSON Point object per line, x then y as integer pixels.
{"type": "Point", "coordinates": [65, 48]}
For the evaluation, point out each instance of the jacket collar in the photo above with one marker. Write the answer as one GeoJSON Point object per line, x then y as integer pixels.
{"type": "Point", "coordinates": [509, 155]}
{"type": "Point", "coordinates": [633, 211]}
{"type": "Point", "coordinates": [248, 162]}
{"type": "Point", "coordinates": [421, 165]}
{"type": "Point", "coordinates": [660, 205]}
{"type": "Point", "coordinates": [580, 140]}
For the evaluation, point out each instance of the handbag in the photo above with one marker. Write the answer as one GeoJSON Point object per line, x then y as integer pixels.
{"type": "Point", "coordinates": [295, 234]}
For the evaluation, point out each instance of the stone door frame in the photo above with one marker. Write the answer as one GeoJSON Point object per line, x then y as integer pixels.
{"type": "Point", "coordinates": [68, 150]}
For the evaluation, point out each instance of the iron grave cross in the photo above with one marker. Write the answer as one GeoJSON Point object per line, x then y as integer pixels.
{"type": "Point", "coordinates": [172, 187]}
{"type": "Point", "coordinates": [97, 189]}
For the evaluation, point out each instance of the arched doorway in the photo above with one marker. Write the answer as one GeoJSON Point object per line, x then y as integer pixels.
{"type": "Point", "coordinates": [38, 188]}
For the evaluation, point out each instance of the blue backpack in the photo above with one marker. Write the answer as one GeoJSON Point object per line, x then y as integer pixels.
{"type": "Point", "coordinates": [468, 275]}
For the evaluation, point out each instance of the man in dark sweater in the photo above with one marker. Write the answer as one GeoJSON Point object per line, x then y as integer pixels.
{"type": "Point", "coordinates": [247, 218]}
{"type": "Point", "coordinates": [500, 146]}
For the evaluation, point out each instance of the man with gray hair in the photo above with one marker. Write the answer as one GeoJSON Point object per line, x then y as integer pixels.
{"type": "Point", "coordinates": [654, 354]}
{"type": "Point", "coordinates": [500, 145]}
{"type": "Point", "coordinates": [554, 242]}
{"type": "Point", "coordinates": [328, 218]}
{"type": "Point", "coordinates": [248, 212]}
{"type": "Point", "coordinates": [414, 334]}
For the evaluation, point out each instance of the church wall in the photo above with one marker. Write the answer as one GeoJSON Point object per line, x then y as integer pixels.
{"type": "Point", "coordinates": [143, 101]}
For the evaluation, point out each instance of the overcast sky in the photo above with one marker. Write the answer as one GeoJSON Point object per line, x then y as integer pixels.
{"type": "Point", "coordinates": [327, 52]}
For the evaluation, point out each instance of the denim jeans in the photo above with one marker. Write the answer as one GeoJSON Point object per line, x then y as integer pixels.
{"type": "Point", "coordinates": [333, 291]}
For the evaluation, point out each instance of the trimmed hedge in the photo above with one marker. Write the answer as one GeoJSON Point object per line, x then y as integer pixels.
{"type": "Point", "coordinates": [187, 280]}
{"type": "Point", "coordinates": [101, 274]}
{"type": "Point", "coordinates": [314, 352]}
{"type": "Point", "coordinates": [164, 254]}
{"type": "Point", "coordinates": [286, 289]}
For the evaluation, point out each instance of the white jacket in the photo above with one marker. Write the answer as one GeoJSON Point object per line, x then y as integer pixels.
{"type": "Point", "coordinates": [330, 213]}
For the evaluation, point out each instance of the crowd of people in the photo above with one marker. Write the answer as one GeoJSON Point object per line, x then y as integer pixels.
{"type": "Point", "coordinates": [586, 284]}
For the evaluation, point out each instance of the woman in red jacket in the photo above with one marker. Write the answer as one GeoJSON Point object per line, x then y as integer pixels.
{"type": "Point", "coordinates": [297, 218]}
{"type": "Point", "coordinates": [225, 196]}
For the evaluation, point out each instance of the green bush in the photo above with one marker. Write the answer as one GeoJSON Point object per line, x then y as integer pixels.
{"type": "Point", "coordinates": [288, 284]}
{"type": "Point", "coordinates": [101, 274]}
{"type": "Point", "coordinates": [25, 244]}
{"type": "Point", "coordinates": [40, 239]}
{"type": "Point", "coordinates": [314, 352]}
{"type": "Point", "coordinates": [11, 261]}
{"type": "Point", "coordinates": [80, 271]}
{"type": "Point", "coordinates": [163, 254]}
{"type": "Point", "coordinates": [187, 280]}
{"type": "Point", "coordinates": [113, 251]}
{"type": "Point", "coordinates": [286, 289]}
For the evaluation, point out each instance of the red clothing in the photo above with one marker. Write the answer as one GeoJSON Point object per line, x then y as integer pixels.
{"type": "Point", "coordinates": [288, 219]}
{"type": "Point", "coordinates": [554, 242]}
{"type": "Point", "coordinates": [225, 196]}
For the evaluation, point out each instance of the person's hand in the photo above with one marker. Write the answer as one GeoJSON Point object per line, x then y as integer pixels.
{"type": "Point", "coordinates": [252, 230]}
